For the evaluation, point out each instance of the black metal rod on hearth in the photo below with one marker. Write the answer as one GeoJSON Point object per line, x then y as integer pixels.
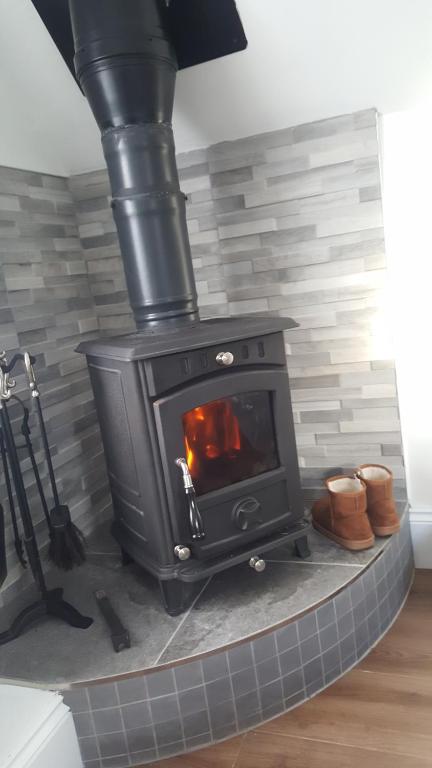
{"type": "Point", "coordinates": [127, 68]}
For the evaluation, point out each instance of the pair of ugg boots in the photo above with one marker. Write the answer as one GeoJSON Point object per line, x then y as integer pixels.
{"type": "Point", "coordinates": [357, 508]}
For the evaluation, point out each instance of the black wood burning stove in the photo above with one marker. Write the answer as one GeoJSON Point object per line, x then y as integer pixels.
{"type": "Point", "coordinates": [225, 408]}
{"type": "Point", "coordinates": [195, 415]}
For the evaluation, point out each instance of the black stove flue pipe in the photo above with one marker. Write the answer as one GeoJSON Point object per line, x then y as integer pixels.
{"type": "Point", "coordinates": [127, 68]}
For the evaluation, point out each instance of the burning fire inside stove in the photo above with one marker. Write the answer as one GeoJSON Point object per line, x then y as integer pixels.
{"type": "Point", "coordinates": [212, 432]}
{"type": "Point", "coordinates": [224, 441]}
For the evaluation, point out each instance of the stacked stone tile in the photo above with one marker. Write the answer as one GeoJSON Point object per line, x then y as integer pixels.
{"type": "Point", "coordinates": [288, 222]}
{"type": "Point", "coordinates": [46, 306]}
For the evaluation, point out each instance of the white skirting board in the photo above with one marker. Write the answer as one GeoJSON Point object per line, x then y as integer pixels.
{"type": "Point", "coordinates": [421, 532]}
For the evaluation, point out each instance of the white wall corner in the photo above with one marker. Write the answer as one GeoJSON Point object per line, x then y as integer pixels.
{"type": "Point", "coordinates": [421, 532]}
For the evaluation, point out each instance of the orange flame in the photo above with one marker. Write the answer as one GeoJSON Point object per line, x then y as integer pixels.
{"type": "Point", "coordinates": [211, 431]}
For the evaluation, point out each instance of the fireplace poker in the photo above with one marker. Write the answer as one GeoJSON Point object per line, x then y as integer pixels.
{"type": "Point", "coordinates": [3, 563]}
{"type": "Point", "coordinates": [66, 540]}
{"type": "Point", "coordinates": [19, 549]}
{"type": "Point", "coordinates": [26, 433]}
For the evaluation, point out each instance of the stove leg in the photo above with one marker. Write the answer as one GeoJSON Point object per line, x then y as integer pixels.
{"type": "Point", "coordinates": [178, 596]}
{"type": "Point", "coordinates": [301, 547]}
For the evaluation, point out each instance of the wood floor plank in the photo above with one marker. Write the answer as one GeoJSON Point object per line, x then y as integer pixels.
{"type": "Point", "coordinates": [367, 708]}
{"type": "Point", "coordinates": [283, 751]}
{"type": "Point", "coordinates": [422, 581]}
{"type": "Point", "coordinates": [222, 755]}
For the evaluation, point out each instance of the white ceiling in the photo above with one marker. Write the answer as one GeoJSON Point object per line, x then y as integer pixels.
{"type": "Point", "coordinates": [306, 60]}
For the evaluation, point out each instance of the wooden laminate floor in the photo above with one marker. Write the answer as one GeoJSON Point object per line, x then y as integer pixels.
{"type": "Point", "coordinates": [380, 714]}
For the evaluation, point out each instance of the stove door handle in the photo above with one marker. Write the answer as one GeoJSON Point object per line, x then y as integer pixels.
{"type": "Point", "coordinates": [195, 519]}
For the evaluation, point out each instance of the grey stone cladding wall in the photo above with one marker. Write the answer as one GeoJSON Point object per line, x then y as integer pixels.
{"type": "Point", "coordinates": [46, 306]}
{"type": "Point", "coordinates": [288, 222]}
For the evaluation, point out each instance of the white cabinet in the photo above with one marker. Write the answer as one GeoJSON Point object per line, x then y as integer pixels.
{"type": "Point", "coordinates": [36, 730]}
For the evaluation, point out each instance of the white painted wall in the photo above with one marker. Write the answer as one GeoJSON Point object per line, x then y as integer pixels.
{"type": "Point", "coordinates": [407, 187]}
{"type": "Point", "coordinates": [45, 123]}
{"type": "Point", "coordinates": [306, 60]}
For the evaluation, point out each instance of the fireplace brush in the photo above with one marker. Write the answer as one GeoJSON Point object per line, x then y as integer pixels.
{"type": "Point", "coordinates": [66, 540]}
{"type": "Point", "coordinates": [51, 601]}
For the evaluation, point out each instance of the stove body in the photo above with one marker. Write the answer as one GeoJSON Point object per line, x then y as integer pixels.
{"type": "Point", "coordinates": [160, 398]}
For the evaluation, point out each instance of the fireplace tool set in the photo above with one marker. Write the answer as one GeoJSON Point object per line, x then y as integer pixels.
{"type": "Point", "coordinates": [66, 547]}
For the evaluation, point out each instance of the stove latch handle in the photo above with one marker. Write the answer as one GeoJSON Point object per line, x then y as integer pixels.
{"type": "Point", "coordinates": [195, 519]}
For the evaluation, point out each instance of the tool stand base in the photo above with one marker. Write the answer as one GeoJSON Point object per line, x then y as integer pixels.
{"type": "Point", "coordinates": [50, 604]}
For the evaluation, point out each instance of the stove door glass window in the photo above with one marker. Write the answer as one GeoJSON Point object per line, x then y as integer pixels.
{"type": "Point", "coordinates": [230, 440]}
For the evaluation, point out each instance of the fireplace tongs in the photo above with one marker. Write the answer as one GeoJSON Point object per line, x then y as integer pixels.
{"type": "Point", "coordinates": [195, 519]}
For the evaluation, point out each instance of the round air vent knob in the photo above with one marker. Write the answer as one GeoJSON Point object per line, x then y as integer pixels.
{"type": "Point", "coordinates": [247, 513]}
{"type": "Point", "coordinates": [257, 563]}
{"type": "Point", "coordinates": [225, 358]}
{"type": "Point", "coordinates": [183, 553]}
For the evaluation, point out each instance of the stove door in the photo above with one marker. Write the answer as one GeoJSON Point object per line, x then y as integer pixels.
{"type": "Point", "coordinates": [236, 433]}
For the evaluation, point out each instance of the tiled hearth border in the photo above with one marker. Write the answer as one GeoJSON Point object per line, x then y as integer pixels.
{"type": "Point", "coordinates": [158, 714]}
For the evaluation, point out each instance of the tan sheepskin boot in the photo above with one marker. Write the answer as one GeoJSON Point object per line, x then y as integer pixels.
{"type": "Point", "coordinates": [381, 507]}
{"type": "Point", "coordinates": [341, 516]}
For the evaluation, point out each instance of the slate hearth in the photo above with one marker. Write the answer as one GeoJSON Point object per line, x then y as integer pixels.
{"type": "Point", "coordinates": [250, 647]}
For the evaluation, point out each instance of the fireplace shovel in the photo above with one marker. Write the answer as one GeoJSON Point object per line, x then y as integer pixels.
{"type": "Point", "coordinates": [66, 547]}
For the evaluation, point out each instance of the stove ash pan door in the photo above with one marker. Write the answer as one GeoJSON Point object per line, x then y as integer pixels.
{"type": "Point", "coordinates": [236, 433]}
